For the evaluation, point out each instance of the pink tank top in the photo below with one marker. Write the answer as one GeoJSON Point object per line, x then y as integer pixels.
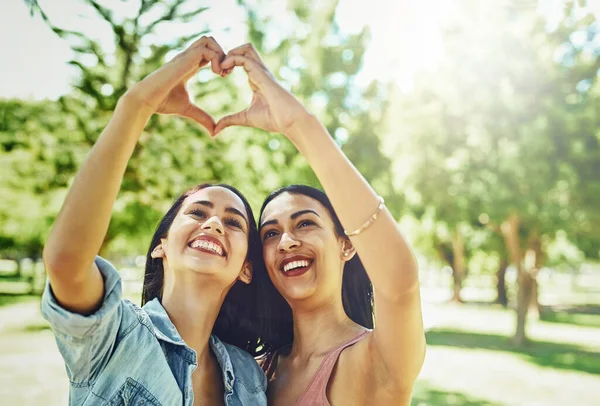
{"type": "Point", "coordinates": [316, 393]}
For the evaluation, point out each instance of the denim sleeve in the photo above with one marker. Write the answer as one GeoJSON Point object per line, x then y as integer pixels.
{"type": "Point", "coordinates": [86, 342]}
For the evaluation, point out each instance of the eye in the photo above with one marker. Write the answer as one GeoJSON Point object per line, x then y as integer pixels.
{"type": "Point", "coordinates": [269, 234]}
{"type": "Point", "coordinates": [233, 222]}
{"type": "Point", "coordinates": [305, 223]}
{"type": "Point", "coordinates": [197, 213]}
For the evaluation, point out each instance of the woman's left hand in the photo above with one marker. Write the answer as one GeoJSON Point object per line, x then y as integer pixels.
{"type": "Point", "coordinates": [272, 108]}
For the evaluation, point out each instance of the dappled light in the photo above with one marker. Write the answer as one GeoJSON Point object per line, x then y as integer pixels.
{"type": "Point", "coordinates": [476, 121]}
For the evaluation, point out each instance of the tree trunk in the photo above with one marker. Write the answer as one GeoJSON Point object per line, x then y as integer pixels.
{"type": "Point", "coordinates": [528, 266]}
{"type": "Point", "coordinates": [525, 291]}
{"type": "Point", "coordinates": [502, 297]}
{"type": "Point", "coordinates": [510, 232]}
{"type": "Point", "coordinates": [533, 266]}
{"type": "Point", "coordinates": [458, 265]}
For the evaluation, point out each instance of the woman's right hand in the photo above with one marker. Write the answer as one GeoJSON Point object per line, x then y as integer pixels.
{"type": "Point", "coordinates": [164, 90]}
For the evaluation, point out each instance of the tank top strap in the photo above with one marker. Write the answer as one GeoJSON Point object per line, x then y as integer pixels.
{"type": "Point", "coordinates": [316, 393]}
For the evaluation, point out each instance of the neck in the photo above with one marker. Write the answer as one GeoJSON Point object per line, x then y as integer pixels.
{"type": "Point", "coordinates": [193, 303]}
{"type": "Point", "coordinates": [318, 329]}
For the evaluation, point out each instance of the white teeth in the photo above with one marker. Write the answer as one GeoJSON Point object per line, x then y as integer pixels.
{"type": "Point", "coordinates": [295, 264]}
{"type": "Point", "coordinates": [207, 245]}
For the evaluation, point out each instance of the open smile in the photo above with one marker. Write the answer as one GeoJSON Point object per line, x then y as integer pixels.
{"type": "Point", "coordinates": [207, 244]}
{"type": "Point", "coordinates": [295, 265]}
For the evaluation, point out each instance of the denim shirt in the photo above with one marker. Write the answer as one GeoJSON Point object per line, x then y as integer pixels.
{"type": "Point", "coordinates": [127, 355]}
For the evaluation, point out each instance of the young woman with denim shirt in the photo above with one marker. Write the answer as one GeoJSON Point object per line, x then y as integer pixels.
{"type": "Point", "coordinates": [198, 271]}
{"type": "Point", "coordinates": [351, 334]}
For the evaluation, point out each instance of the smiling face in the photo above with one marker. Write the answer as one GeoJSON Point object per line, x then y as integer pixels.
{"type": "Point", "coordinates": [209, 235]}
{"type": "Point", "coordinates": [302, 252]}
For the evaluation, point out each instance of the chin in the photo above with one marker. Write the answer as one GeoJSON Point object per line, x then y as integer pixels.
{"type": "Point", "coordinates": [296, 293]}
{"type": "Point", "coordinates": [204, 266]}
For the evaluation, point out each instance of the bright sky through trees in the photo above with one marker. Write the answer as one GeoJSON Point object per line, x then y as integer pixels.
{"type": "Point", "coordinates": [405, 37]}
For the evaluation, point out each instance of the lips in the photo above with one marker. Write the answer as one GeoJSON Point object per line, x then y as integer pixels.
{"type": "Point", "coordinates": [206, 243]}
{"type": "Point", "coordinates": [295, 265]}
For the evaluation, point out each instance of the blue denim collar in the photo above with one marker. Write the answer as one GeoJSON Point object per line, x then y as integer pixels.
{"type": "Point", "coordinates": [165, 330]}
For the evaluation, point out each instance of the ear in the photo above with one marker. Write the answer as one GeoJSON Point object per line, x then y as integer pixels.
{"type": "Point", "coordinates": [246, 273]}
{"type": "Point", "coordinates": [348, 250]}
{"type": "Point", "coordinates": [159, 250]}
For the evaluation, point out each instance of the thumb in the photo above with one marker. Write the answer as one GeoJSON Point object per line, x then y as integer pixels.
{"type": "Point", "coordinates": [240, 118]}
{"type": "Point", "coordinates": [200, 116]}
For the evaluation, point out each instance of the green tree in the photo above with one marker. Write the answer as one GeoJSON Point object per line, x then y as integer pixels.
{"type": "Point", "coordinates": [493, 133]}
{"type": "Point", "coordinates": [317, 64]}
{"type": "Point", "coordinates": [38, 147]}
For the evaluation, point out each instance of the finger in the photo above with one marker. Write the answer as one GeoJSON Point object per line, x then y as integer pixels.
{"type": "Point", "coordinates": [232, 61]}
{"type": "Point", "coordinates": [198, 58]}
{"type": "Point", "coordinates": [186, 64]}
{"type": "Point", "coordinates": [240, 118]}
{"type": "Point", "coordinates": [226, 72]}
{"type": "Point", "coordinates": [200, 116]}
{"type": "Point", "coordinates": [258, 75]}
{"type": "Point", "coordinates": [248, 51]}
{"type": "Point", "coordinates": [211, 43]}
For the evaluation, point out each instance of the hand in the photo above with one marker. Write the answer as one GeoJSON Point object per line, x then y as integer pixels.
{"type": "Point", "coordinates": [164, 91]}
{"type": "Point", "coordinates": [272, 108]}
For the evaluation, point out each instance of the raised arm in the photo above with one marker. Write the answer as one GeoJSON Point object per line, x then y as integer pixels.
{"type": "Point", "coordinates": [397, 345]}
{"type": "Point", "coordinates": [398, 341]}
{"type": "Point", "coordinates": [81, 225]}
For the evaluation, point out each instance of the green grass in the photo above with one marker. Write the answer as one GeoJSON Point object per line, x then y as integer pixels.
{"type": "Point", "coordinates": [543, 353]}
{"type": "Point", "coordinates": [10, 299]}
{"type": "Point", "coordinates": [591, 318]}
{"type": "Point", "coordinates": [470, 357]}
{"type": "Point", "coordinates": [427, 396]}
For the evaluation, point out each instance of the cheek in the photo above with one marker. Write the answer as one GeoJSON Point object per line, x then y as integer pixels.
{"type": "Point", "coordinates": [239, 245]}
{"type": "Point", "coordinates": [268, 254]}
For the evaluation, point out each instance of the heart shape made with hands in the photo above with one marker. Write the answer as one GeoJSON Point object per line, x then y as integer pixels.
{"type": "Point", "coordinates": [272, 107]}
{"type": "Point", "coordinates": [255, 115]}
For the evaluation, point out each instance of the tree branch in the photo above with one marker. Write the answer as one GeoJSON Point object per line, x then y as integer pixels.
{"type": "Point", "coordinates": [105, 13]}
{"type": "Point", "coordinates": [169, 15]}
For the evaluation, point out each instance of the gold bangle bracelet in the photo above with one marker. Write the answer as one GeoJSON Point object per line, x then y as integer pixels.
{"type": "Point", "coordinates": [370, 221]}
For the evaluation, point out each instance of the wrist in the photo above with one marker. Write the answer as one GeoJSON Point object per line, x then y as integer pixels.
{"type": "Point", "coordinates": [130, 104]}
{"type": "Point", "coordinates": [306, 126]}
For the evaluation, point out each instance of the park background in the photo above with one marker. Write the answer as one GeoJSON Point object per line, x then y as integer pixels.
{"type": "Point", "coordinates": [476, 120]}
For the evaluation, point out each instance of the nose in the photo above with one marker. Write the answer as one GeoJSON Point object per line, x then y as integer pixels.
{"type": "Point", "coordinates": [213, 224]}
{"type": "Point", "coordinates": [287, 243]}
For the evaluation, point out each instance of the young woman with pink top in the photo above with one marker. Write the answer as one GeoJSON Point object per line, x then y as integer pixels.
{"type": "Point", "coordinates": [342, 330]}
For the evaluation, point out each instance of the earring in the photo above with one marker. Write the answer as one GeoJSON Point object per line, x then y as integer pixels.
{"type": "Point", "coordinates": [346, 253]}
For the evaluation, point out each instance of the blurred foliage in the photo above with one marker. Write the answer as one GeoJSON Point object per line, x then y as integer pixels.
{"type": "Point", "coordinates": [44, 143]}
{"type": "Point", "coordinates": [507, 125]}
{"type": "Point", "coordinates": [501, 142]}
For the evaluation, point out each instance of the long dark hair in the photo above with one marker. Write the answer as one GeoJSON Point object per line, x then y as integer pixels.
{"type": "Point", "coordinates": [236, 322]}
{"type": "Point", "coordinates": [357, 292]}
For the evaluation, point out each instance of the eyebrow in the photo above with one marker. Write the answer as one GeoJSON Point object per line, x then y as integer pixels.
{"type": "Point", "coordinates": [227, 210]}
{"type": "Point", "coordinates": [293, 216]}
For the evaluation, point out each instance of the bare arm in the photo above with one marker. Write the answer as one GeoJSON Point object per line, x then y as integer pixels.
{"type": "Point", "coordinates": [81, 225]}
{"type": "Point", "coordinates": [397, 343]}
